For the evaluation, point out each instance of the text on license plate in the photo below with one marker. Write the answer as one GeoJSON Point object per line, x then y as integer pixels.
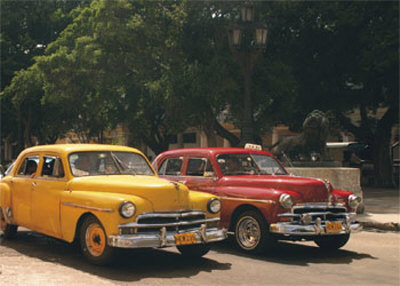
{"type": "Point", "coordinates": [333, 226]}
{"type": "Point", "coordinates": [185, 238]}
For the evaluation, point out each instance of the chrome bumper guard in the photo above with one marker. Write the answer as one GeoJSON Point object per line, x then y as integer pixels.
{"type": "Point", "coordinates": [314, 229]}
{"type": "Point", "coordinates": [165, 238]}
{"type": "Point", "coordinates": [158, 229]}
{"type": "Point", "coordinates": [311, 220]}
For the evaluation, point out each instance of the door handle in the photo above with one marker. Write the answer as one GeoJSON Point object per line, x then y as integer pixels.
{"type": "Point", "coordinates": [34, 184]}
{"type": "Point", "coordinates": [182, 182]}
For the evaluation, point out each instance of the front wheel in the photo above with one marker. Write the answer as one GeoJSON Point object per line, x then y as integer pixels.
{"type": "Point", "coordinates": [332, 242]}
{"type": "Point", "coordinates": [251, 232]}
{"type": "Point", "coordinates": [93, 242]}
{"type": "Point", "coordinates": [9, 230]}
{"type": "Point", "coordinates": [194, 250]}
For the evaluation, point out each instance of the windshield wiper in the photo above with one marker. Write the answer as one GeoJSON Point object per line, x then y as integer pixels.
{"type": "Point", "coordinates": [121, 165]}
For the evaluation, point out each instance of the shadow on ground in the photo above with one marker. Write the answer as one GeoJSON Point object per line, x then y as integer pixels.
{"type": "Point", "coordinates": [135, 265]}
{"type": "Point", "coordinates": [131, 265]}
{"type": "Point", "coordinates": [299, 254]}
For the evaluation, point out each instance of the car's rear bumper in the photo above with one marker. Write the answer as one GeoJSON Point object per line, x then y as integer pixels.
{"type": "Point", "coordinates": [165, 238]}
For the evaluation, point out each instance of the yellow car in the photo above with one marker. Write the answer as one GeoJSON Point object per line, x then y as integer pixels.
{"type": "Point", "coordinates": [105, 197]}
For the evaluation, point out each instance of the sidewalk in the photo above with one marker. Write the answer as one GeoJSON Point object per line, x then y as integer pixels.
{"type": "Point", "coordinates": [382, 209]}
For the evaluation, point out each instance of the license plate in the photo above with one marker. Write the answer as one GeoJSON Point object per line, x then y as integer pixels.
{"type": "Point", "coordinates": [333, 226]}
{"type": "Point", "coordinates": [185, 238]}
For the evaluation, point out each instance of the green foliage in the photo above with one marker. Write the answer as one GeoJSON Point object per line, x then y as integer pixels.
{"type": "Point", "coordinates": [159, 67]}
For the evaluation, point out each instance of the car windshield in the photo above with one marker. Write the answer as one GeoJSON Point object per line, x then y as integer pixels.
{"type": "Point", "coordinates": [108, 163]}
{"type": "Point", "coordinates": [249, 164]}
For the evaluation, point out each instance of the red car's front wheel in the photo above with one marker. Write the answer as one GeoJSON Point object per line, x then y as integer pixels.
{"type": "Point", "coordinates": [251, 232]}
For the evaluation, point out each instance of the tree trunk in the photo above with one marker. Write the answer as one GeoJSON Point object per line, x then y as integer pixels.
{"type": "Point", "coordinates": [382, 149]}
{"type": "Point", "coordinates": [211, 137]}
{"type": "Point", "coordinates": [221, 131]}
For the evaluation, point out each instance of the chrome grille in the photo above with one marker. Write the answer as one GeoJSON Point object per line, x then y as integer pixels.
{"type": "Point", "coordinates": [323, 212]}
{"type": "Point", "coordinates": [172, 221]}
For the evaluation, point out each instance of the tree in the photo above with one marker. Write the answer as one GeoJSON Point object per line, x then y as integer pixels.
{"type": "Point", "coordinates": [345, 57]}
{"type": "Point", "coordinates": [27, 28]}
{"type": "Point", "coordinates": [119, 62]}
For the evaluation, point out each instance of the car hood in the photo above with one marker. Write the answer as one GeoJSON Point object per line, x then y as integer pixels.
{"type": "Point", "coordinates": [260, 186]}
{"type": "Point", "coordinates": [162, 194]}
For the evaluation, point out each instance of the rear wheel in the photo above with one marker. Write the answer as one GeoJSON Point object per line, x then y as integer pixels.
{"type": "Point", "coordinates": [93, 242]}
{"type": "Point", "coordinates": [332, 242]}
{"type": "Point", "coordinates": [251, 232]}
{"type": "Point", "coordinates": [9, 230]}
{"type": "Point", "coordinates": [194, 250]}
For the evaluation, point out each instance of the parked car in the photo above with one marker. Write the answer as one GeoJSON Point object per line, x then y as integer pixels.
{"type": "Point", "coordinates": [354, 155]}
{"type": "Point", "coordinates": [105, 197]}
{"type": "Point", "coordinates": [261, 202]}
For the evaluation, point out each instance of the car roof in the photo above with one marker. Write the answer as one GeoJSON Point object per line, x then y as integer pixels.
{"type": "Point", "coordinates": [69, 148]}
{"type": "Point", "coordinates": [212, 151]}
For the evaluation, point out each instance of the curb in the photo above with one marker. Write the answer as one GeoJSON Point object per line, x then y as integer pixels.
{"type": "Point", "coordinates": [387, 226]}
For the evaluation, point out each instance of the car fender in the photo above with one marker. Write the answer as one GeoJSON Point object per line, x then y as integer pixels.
{"type": "Point", "coordinates": [237, 199]}
{"type": "Point", "coordinates": [199, 201]}
{"type": "Point", "coordinates": [5, 195]}
{"type": "Point", "coordinates": [104, 206]}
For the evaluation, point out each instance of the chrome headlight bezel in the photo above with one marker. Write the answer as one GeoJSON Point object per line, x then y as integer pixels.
{"type": "Point", "coordinates": [286, 201]}
{"type": "Point", "coordinates": [214, 206]}
{"type": "Point", "coordinates": [127, 209]}
{"type": "Point", "coordinates": [353, 201]}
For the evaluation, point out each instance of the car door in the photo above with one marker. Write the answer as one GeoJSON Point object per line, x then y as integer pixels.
{"type": "Point", "coordinates": [22, 184]}
{"type": "Point", "coordinates": [48, 186]}
{"type": "Point", "coordinates": [199, 175]}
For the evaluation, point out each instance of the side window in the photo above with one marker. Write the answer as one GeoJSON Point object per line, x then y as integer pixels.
{"type": "Point", "coordinates": [171, 167]}
{"type": "Point", "coordinates": [52, 167]}
{"type": "Point", "coordinates": [29, 166]}
{"type": "Point", "coordinates": [196, 167]}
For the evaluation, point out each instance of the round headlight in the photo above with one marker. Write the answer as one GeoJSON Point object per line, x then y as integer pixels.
{"type": "Point", "coordinates": [214, 205]}
{"type": "Point", "coordinates": [286, 201]}
{"type": "Point", "coordinates": [127, 209]}
{"type": "Point", "coordinates": [354, 201]}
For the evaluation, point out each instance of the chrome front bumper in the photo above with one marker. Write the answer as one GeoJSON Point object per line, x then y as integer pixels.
{"type": "Point", "coordinates": [289, 229]}
{"type": "Point", "coordinates": [165, 238]}
{"type": "Point", "coordinates": [311, 219]}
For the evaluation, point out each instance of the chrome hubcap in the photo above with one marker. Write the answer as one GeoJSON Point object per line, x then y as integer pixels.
{"type": "Point", "coordinates": [248, 232]}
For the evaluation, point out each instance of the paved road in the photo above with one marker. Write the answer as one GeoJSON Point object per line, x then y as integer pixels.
{"type": "Point", "coordinates": [369, 258]}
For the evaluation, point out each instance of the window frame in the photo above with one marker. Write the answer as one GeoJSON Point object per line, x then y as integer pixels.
{"type": "Point", "coordinates": [166, 166]}
{"type": "Point", "coordinates": [27, 157]}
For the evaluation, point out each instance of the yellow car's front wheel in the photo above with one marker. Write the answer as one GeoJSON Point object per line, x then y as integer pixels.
{"type": "Point", "coordinates": [93, 241]}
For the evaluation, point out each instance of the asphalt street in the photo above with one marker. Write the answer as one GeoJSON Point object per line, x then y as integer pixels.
{"type": "Point", "coordinates": [370, 258]}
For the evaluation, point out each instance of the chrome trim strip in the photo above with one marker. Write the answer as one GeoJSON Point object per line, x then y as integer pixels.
{"type": "Point", "coordinates": [169, 214]}
{"type": "Point", "coordinates": [88, 207]}
{"type": "Point", "coordinates": [171, 224]}
{"type": "Point", "coordinates": [312, 213]}
{"type": "Point", "coordinates": [248, 200]}
{"type": "Point", "coordinates": [318, 205]}
{"type": "Point", "coordinates": [164, 238]}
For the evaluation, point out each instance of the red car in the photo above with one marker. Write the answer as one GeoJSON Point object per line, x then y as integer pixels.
{"type": "Point", "coordinates": [261, 202]}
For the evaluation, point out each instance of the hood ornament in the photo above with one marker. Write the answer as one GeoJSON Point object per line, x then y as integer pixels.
{"type": "Point", "coordinates": [329, 189]}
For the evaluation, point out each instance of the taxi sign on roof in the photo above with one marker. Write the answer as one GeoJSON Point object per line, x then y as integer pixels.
{"type": "Point", "coordinates": [253, 147]}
